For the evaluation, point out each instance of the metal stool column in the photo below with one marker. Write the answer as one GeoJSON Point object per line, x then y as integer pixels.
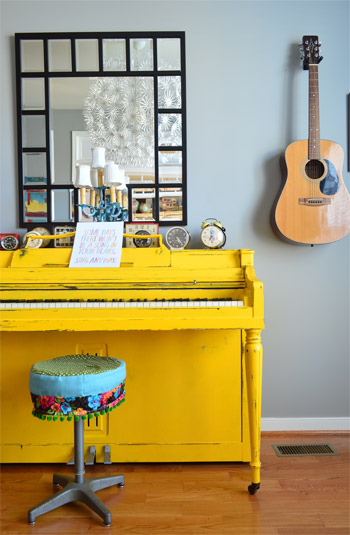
{"type": "Point", "coordinates": [44, 377]}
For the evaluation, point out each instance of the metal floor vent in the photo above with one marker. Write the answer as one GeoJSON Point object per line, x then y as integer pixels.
{"type": "Point", "coordinates": [299, 450]}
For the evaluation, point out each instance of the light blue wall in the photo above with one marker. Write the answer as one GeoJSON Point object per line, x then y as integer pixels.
{"type": "Point", "coordinates": [246, 100]}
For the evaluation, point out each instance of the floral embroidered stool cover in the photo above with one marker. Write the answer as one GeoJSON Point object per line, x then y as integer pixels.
{"type": "Point", "coordinates": [74, 388]}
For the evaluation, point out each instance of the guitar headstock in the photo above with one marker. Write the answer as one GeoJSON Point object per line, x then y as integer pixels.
{"type": "Point", "coordinates": [310, 51]}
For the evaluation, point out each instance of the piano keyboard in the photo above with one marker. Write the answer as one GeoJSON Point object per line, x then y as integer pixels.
{"type": "Point", "coordinates": [176, 303]}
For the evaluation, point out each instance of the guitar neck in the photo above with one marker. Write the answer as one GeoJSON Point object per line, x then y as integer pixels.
{"type": "Point", "coordinates": [314, 115]}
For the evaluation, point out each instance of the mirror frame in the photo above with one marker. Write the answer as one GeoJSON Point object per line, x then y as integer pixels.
{"type": "Point", "coordinates": [46, 75]}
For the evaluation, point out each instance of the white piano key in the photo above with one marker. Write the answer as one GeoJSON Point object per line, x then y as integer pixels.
{"type": "Point", "coordinates": [181, 304]}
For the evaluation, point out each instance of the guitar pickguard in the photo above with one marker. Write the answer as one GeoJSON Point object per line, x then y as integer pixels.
{"type": "Point", "coordinates": [329, 185]}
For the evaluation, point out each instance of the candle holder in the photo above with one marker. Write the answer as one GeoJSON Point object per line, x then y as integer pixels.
{"type": "Point", "coordinates": [102, 176]}
{"type": "Point", "coordinates": [104, 210]}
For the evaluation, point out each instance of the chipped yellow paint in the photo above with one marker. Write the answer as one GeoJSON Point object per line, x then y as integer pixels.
{"type": "Point", "coordinates": [188, 398]}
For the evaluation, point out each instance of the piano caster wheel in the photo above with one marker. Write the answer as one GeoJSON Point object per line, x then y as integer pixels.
{"type": "Point", "coordinates": [121, 485]}
{"type": "Point", "coordinates": [253, 488]}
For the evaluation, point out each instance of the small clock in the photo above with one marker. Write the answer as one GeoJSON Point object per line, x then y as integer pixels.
{"type": "Point", "coordinates": [142, 229]}
{"type": "Point", "coordinates": [213, 234]}
{"type": "Point", "coordinates": [142, 242]}
{"type": "Point", "coordinates": [37, 243]}
{"type": "Point", "coordinates": [9, 242]}
{"type": "Point", "coordinates": [177, 238]}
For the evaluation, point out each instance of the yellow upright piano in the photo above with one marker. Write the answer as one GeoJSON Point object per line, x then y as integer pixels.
{"type": "Point", "coordinates": [187, 324]}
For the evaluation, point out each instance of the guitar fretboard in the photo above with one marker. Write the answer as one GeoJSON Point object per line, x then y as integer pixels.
{"type": "Point", "coordinates": [314, 116]}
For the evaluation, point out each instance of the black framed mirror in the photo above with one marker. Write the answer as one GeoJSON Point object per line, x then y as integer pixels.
{"type": "Point", "coordinates": [124, 91]}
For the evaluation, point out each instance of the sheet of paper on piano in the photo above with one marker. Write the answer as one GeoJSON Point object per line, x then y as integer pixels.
{"type": "Point", "coordinates": [97, 245]}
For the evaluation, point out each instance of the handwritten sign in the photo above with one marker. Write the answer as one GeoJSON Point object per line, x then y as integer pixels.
{"type": "Point", "coordinates": [97, 245]}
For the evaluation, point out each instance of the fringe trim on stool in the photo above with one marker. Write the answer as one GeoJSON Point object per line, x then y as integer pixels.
{"type": "Point", "coordinates": [57, 408]}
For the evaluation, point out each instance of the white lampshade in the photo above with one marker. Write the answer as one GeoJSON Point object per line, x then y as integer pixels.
{"type": "Point", "coordinates": [98, 157]}
{"type": "Point", "coordinates": [82, 176]}
{"type": "Point", "coordinates": [112, 176]}
{"type": "Point", "coordinates": [123, 180]}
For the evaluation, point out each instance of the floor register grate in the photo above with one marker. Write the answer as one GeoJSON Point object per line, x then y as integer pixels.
{"type": "Point", "coordinates": [300, 450]}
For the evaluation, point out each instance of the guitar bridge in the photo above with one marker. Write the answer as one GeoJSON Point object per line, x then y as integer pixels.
{"type": "Point", "coordinates": [314, 201]}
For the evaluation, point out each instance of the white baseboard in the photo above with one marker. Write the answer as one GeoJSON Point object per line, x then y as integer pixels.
{"type": "Point", "coordinates": [305, 424]}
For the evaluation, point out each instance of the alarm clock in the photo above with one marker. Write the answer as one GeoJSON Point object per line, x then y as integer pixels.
{"type": "Point", "coordinates": [177, 238]}
{"type": "Point", "coordinates": [142, 229]}
{"type": "Point", "coordinates": [9, 242]}
{"type": "Point", "coordinates": [142, 242]}
{"type": "Point", "coordinates": [213, 234]}
{"type": "Point", "coordinates": [37, 243]}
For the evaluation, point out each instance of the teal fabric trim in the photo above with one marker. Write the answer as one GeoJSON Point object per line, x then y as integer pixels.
{"type": "Point", "coordinates": [77, 385]}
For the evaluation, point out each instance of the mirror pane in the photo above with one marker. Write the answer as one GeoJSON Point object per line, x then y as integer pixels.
{"type": "Point", "coordinates": [34, 168]}
{"type": "Point", "coordinates": [170, 129]}
{"type": "Point", "coordinates": [115, 113]}
{"type": "Point", "coordinates": [35, 205]}
{"type": "Point", "coordinates": [143, 204]}
{"type": "Point", "coordinates": [60, 55]}
{"type": "Point", "coordinates": [170, 166]}
{"type": "Point", "coordinates": [141, 54]}
{"type": "Point", "coordinates": [119, 115]}
{"type": "Point", "coordinates": [86, 54]}
{"type": "Point", "coordinates": [140, 176]}
{"type": "Point", "coordinates": [33, 94]}
{"type": "Point", "coordinates": [170, 204]}
{"type": "Point", "coordinates": [169, 92]}
{"type": "Point", "coordinates": [32, 56]}
{"type": "Point", "coordinates": [114, 55]}
{"type": "Point", "coordinates": [66, 116]}
{"type": "Point", "coordinates": [169, 58]}
{"type": "Point", "coordinates": [33, 131]}
{"type": "Point", "coordinates": [62, 205]}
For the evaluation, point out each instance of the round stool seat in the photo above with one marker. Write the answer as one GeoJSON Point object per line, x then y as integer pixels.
{"type": "Point", "coordinates": [75, 386]}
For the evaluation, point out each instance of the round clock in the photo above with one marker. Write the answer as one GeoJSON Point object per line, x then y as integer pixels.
{"type": "Point", "coordinates": [9, 243]}
{"type": "Point", "coordinates": [213, 234]}
{"type": "Point", "coordinates": [177, 238]}
{"type": "Point", "coordinates": [37, 243]}
{"type": "Point", "coordinates": [143, 242]}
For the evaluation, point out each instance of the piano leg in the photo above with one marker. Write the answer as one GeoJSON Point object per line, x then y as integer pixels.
{"type": "Point", "coordinates": [253, 361]}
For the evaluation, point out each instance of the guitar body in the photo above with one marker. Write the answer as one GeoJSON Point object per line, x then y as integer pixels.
{"type": "Point", "coordinates": [314, 206]}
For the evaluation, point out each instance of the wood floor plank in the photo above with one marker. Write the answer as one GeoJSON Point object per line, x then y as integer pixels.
{"type": "Point", "coordinates": [298, 496]}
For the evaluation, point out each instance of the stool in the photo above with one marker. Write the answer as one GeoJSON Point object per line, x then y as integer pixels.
{"type": "Point", "coordinates": [74, 388]}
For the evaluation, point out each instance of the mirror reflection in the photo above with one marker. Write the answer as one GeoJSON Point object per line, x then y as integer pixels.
{"type": "Point", "coordinates": [137, 118]}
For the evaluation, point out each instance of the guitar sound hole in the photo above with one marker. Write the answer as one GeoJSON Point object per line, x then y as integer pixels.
{"type": "Point", "coordinates": [314, 169]}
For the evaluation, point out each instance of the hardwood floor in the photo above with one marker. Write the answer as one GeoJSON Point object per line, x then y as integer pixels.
{"type": "Point", "coordinates": [298, 496]}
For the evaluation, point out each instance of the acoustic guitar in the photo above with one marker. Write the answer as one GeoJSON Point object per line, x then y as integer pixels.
{"type": "Point", "coordinates": [314, 205]}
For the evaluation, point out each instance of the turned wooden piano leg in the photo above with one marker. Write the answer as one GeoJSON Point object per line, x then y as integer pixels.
{"type": "Point", "coordinates": [253, 362]}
